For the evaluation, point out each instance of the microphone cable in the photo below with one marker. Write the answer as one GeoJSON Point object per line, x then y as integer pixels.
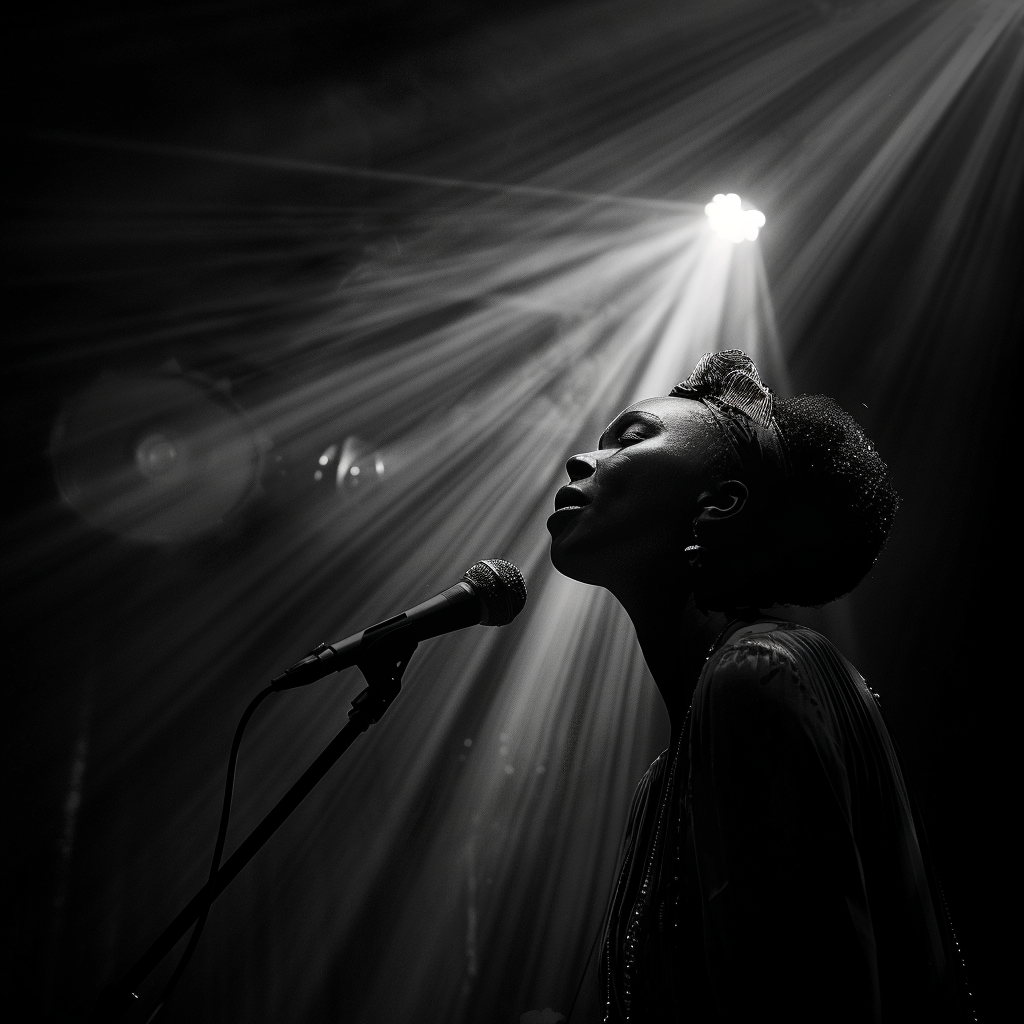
{"type": "Point", "coordinates": [218, 850]}
{"type": "Point", "coordinates": [501, 592]}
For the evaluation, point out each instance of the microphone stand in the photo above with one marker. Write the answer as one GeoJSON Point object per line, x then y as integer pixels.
{"type": "Point", "coordinates": [383, 672]}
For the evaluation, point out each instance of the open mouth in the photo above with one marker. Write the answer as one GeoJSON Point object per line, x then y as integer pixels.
{"type": "Point", "coordinates": [569, 497]}
{"type": "Point", "coordinates": [568, 502]}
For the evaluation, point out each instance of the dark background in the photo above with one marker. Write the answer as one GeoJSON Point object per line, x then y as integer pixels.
{"type": "Point", "coordinates": [936, 623]}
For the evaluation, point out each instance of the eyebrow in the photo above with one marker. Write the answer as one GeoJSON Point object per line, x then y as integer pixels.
{"type": "Point", "coordinates": [632, 416]}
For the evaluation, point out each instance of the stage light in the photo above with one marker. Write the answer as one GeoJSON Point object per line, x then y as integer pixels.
{"type": "Point", "coordinates": [350, 467]}
{"type": "Point", "coordinates": [728, 218]}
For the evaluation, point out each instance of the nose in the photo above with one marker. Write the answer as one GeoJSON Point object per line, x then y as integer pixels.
{"type": "Point", "coordinates": [579, 467]}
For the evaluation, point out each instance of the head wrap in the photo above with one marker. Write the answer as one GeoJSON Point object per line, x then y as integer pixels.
{"type": "Point", "coordinates": [728, 385]}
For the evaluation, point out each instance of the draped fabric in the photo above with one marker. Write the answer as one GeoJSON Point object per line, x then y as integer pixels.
{"type": "Point", "coordinates": [773, 868]}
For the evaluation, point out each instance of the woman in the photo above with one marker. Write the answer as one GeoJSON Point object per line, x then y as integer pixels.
{"type": "Point", "coordinates": [772, 869]}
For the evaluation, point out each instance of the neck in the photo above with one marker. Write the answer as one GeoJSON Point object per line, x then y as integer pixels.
{"type": "Point", "coordinates": [675, 636]}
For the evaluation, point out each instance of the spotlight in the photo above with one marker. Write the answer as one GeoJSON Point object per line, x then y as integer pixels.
{"type": "Point", "coordinates": [158, 457]}
{"type": "Point", "coordinates": [728, 218]}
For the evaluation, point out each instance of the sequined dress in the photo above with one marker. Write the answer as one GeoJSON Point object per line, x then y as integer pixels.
{"type": "Point", "coordinates": [774, 867]}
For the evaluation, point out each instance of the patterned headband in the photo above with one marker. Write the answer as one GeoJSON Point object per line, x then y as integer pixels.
{"type": "Point", "coordinates": [728, 385]}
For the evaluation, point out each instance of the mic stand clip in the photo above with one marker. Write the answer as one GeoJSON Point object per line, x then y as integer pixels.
{"type": "Point", "coordinates": [383, 671]}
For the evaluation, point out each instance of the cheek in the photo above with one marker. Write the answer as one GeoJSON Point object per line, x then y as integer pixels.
{"type": "Point", "coordinates": [623, 476]}
{"type": "Point", "coordinates": [648, 489]}
{"type": "Point", "coordinates": [640, 506]}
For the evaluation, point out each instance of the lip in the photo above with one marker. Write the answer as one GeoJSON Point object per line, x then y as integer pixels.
{"type": "Point", "coordinates": [560, 518]}
{"type": "Point", "coordinates": [569, 497]}
{"type": "Point", "coordinates": [569, 502]}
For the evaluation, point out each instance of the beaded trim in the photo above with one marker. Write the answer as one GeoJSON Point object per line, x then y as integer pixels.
{"type": "Point", "coordinates": [640, 904]}
{"type": "Point", "coordinates": [646, 893]}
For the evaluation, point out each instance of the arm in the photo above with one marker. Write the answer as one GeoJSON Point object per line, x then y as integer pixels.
{"type": "Point", "coordinates": [787, 928]}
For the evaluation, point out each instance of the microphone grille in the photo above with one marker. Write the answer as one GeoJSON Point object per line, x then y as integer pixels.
{"type": "Point", "coordinates": [501, 589]}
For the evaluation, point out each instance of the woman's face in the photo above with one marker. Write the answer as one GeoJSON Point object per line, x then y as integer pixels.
{"type": "Point", "coordinates": [629, 506]}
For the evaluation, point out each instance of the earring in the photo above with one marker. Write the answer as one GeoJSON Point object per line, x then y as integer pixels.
{"type": "Point", "coordinates": [698, 557]}
{"type": "Point", "coordinates": [695, 554]}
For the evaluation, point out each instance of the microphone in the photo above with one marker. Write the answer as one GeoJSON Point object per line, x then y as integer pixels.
{"type": "Point", "coordinates": [491, 593]}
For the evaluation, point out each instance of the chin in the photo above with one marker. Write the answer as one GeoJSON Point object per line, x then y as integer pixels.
{"type": "Point", "coordinates": [559, 560]}
{"type": "Point", "coordinates": [574, 560]}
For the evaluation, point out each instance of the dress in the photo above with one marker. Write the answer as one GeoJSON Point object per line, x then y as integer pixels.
{"type": "Point", "coordinates": [773, 867]}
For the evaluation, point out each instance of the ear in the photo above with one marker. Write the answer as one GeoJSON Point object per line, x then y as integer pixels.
{"type": "Point", "coordinates": [721, 503]}
{"type": "Point", "coordinates": [727, 528]}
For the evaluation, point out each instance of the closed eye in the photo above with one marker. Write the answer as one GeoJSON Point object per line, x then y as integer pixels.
{"type": "Point", "coordinates": [631, 428]}
{"type": "Point", "coordinates": [624, 439]}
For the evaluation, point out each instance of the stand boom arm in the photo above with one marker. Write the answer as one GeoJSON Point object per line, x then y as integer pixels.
{"type": "Point", "coordinates": [383, 673]}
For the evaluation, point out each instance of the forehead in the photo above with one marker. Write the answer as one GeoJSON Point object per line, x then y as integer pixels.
{"type": "Point", "coordinates": [675, 414]}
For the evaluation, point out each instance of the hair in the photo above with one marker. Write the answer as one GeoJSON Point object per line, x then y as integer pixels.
{"type": "Point", "coordinates": [840, 507]}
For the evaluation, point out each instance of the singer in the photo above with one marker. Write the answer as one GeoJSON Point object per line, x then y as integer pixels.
{"type": "Point", "coordinates": [773, 868]}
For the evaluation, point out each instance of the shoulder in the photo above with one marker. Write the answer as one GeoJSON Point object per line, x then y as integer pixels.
{"type": "Point", "coordinates": [763, 671]}
{"type": "Point", "coordinates": [753, 655]}
{"type": "Point", "coordinates": [760, 707]}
